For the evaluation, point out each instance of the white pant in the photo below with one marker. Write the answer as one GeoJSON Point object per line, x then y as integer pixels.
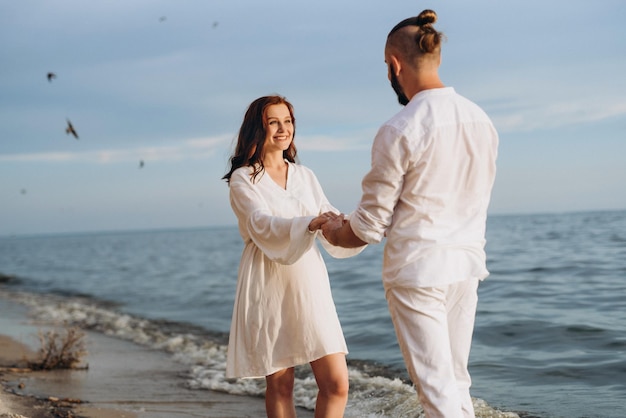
{"type": "Point", "coordinates": [434, 327]}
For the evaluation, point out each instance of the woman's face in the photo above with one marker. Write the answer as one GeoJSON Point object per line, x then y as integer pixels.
{"type": "Point", "coordinates": [279, 129]}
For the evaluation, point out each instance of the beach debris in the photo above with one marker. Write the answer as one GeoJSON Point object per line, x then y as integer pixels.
{"type": "Point", "coordinates": [64, 400]}
{"type": "Point", "coordinates": [62, 407]}
{"type": "Point", "coordinates": [70, 129]}
{"type": "Point", "coordinates": [5, 278]}
{"type": "Point", "coordinates": [51, 76]}
{"type": "Point", "coordinates": [60, 350]}
{"type": "Point", "coordinates": [15, 370]}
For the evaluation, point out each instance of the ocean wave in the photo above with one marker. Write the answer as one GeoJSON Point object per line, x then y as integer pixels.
{"type": "Point", "coordinates": [374, 392]}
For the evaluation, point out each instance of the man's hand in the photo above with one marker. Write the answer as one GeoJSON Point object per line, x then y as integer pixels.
{"type": "Point", "coordinates": [338, 232]}
{"type": "Point", "coordinates": [322, 219]}
{"type": "Point", "coordinates": [331, 227]}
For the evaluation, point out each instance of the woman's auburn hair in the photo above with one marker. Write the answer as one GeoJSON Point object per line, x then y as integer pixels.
{"type": "Point", "coordinates": [251, 138]}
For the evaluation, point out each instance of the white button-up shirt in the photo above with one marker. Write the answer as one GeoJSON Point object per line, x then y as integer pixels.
{"type": "Point", "coordinates": [433, 168]}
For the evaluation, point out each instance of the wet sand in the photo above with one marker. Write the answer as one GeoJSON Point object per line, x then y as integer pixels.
{"type": "Point", "coordinates": [122, 380]}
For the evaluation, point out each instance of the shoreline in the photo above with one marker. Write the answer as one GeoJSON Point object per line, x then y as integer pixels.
{"type": "Point", "coordinates": [13, 374]}
{"type": "Point", "coordinates": [128, 390]}
{"type": "Point", "coordinates": [123, 380]}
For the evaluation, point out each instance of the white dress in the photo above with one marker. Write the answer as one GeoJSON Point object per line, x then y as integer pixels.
{"type": "Point", "coordinates": [284, 314]}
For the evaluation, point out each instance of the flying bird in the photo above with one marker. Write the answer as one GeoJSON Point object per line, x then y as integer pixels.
{"type": "Point", "coordinates": [215, 24]}
{"type": "Point", "coordinates": [51, 76]}
{"type": "Point", "coordinates": [141, 164]}
{"type": "Point", "coordinates": [162, 19]}
{"type": "Point", "coordinates": [70, 129]}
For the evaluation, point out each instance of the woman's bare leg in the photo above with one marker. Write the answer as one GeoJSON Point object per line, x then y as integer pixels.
{"type": "Point", "coordinates": [279, 394]}
{"type": "Point", "coordinates": [331, 374]}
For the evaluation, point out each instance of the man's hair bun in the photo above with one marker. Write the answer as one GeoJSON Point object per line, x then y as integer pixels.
{"type": "Point", "coordinates": [426, 17]}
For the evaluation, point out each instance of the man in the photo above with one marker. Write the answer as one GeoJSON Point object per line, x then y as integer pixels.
{"type": "Point", "coordinates": [432, 171]}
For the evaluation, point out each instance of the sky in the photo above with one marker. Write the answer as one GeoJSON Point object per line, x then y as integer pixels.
{"type": "Point", "coordinates": [168, 82]}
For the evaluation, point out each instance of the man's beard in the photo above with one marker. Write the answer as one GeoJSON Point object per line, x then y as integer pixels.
{"type": "Point", "coordinates": [395, 84]}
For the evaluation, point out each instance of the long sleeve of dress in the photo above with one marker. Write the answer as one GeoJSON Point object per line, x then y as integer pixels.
{"type": "Point", "coordinates": [283, 240]}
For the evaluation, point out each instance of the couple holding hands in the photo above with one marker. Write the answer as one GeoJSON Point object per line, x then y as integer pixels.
{"type": "Point", "coordinates": [427, 193]}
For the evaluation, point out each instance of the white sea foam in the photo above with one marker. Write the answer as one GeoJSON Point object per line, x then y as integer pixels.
{"type": "Point", "coordinates": [370, 396]}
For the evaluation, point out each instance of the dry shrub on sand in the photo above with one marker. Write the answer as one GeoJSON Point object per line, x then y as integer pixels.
{"type": "Point", "coordinates": [60, 350]}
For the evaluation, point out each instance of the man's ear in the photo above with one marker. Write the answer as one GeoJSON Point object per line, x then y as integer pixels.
{"type": "Point", "coordinates": [395, 64]}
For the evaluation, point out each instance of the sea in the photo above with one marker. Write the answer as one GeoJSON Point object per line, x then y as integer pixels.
{"type": "Point", "coordinates": [549, 340]}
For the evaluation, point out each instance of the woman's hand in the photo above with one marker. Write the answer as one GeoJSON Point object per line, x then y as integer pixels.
{"type": "Point", "coordinates": [320, 220]}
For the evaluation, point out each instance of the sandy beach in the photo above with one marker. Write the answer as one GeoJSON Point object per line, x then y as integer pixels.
{"type": "Point", "coordinates": [123, 380]}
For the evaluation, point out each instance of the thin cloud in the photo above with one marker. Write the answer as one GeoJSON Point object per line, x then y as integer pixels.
{"type": "Point", "coordinates": [57, 157]}
{"type": "Point", "coordinates": [196, 148]}
{"type": "Point", "coordinates": [557, 114]}
{"type": "Point", "coordinates": [353, 140]}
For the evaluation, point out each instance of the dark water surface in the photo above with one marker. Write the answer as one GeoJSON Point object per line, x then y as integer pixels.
{"type": "Point", "coordinates": [550, 336]}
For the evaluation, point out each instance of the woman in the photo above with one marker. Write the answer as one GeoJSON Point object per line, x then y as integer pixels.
{"type": "Point", "coordinates": [284, 314]}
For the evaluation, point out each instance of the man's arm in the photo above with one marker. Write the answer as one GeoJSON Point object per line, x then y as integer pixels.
{"type": "Point", "coordinates": [339, 232]}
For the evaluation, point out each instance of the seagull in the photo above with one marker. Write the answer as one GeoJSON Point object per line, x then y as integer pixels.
{"type": "Point", "coordinates": [215, 24]}
{"type": "Point", "coordinates": [51, 76]}
{"type": "Point", "coordinates": [162, 19]}
{"type": "Point", "coordinates": [70, 129]}
{"type": "Point", "coordinates": [141, 164]}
